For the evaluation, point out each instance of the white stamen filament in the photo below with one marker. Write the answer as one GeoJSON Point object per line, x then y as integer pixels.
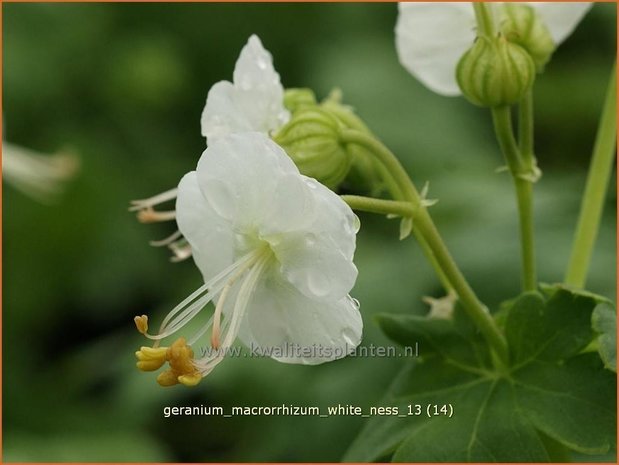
{"type": "Point", "coordinates": [187, 315]}
{"type": "Point", "coordinates": [217, 315]}
{"type": "Point", "coordinates": [206, 365]}
{"type": "Point", "coordinates": [221, 277]}
{"type": "Point", "coordinates": [201, 332]}
{"type": "Point", "coordinates": [152, 201]}
{"type": "Point", "coordinates": [181, 250]}
{"type": "Point", "coordinates": [197, 300]}
{"type": "Point", "coordinates": [167, 241]}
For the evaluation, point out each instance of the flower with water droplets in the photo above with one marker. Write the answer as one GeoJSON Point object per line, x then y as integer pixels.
{"type": "Point", "coordinates": [275, 249]}
{"type": "Point", "coordinates": [253, 102]}
{"type": "Point", "coordinates": [431, 37]}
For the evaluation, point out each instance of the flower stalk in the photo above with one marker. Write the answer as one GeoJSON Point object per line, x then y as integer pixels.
{"type": "Point", "coordinates": [484, 18]}
{"type": "Point", "coordinates": [380, 206]}
{"type": "Point", "coordinates": [426, 230]}
{"type": "Point", "coordinates": [595, 190]}
{"type": "Point", "coordinates": [524, 173]}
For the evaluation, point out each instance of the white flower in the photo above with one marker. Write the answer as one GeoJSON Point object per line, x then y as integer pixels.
{"type": "Point", "coordinates": [275, 249]}
{"type": "Point", "coordinates": [254, 101]}
{"type": "Point", "coordinates": [431, 37]}
{"type": "Point", "coordinates": [37, 175]}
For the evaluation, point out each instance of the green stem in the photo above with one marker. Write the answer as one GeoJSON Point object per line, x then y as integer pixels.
{"type": "Point", "coordinates": [484, 18]}
{"type": "Point", "coordinates": [385, 157]}
{"type": "Point", "coordinates": [399, 184]}
{"type": "Point", "coordinates": [595, 190]}
{"type": "Point", "coordinates": [428, 252]}
{"type": "Point", "coordinates": [428, 232]}
{"type": "Point", "coordinates": [390, 183]}
{"type": "Point", "coordinates": [524, 193]}
{"type": "Point", "coordinates": [502, 119]}
{"type": "Point", "coordinates": [402, 209]}
{"type": "Point", "coordinates": [525, 129]}
{"type": "Point", "coordinates": [470, 302]}
{"type": "Point", "coordinates": [385, 207]}
{"type": "Point", "coordinates": [521, 170]}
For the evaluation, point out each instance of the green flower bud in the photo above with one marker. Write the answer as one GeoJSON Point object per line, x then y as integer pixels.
{"type": "Point", "coordinates": [495, 72]}
{"type": "Point", "coordinates": [294, 99]}
{"type": "Point", "coordinates": [523, 26]}
{"type": "Point", "coordinates": [311, 139]}
{"type": "Point", "coordinates": [365, 170]}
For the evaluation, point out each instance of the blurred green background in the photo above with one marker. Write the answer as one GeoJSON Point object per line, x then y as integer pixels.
{"type": "Point", "coordinates": [123, 85]}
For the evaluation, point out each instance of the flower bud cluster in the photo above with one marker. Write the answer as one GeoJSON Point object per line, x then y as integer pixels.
{"type": "Point", "coordinates": [498, 71]}
{"type": "Point", "coordinates": [312, 139]}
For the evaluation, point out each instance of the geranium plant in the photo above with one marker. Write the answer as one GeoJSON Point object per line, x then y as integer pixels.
{"type": "Point", "coordinates": [533, 380]}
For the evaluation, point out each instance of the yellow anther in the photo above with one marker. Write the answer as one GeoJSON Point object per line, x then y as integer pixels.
{"type": "Point", "coordinates": [190, 380]}
{"type": "Point", "coordinates": [150, 359]}
{"type": "Point", "coordinates": [149, 215]}
{"type": "Point", "coordinates": [180, 357]}
{"type": "Point", "coordinates": [141, 322]}
{"type": "Point", "coordinates": [167, 378]}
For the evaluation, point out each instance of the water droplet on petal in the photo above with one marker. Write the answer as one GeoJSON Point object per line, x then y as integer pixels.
{"type": "Point", "coordinates": [355, 303]}
{"type": "Point", "coordinates": [351, 224]}
{"type": "Point", "coordinates": [356, 223]}
{"type": "Point", "coordinates": [318, 284]}
{"type": "Point", "coordinates": [310, 240]}
{"type": "Point", "coordinates": [350, 338]}
{"type": "Point", "coordinates": [262, 63]}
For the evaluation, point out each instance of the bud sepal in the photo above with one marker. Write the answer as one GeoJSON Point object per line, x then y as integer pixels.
{"type": "Point", "coordinates": [311, 139]}
{"type": "Point", "coordinates": [495, 72]}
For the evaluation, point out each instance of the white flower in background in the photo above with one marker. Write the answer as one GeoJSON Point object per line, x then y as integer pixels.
{"type": "Point", "coordinates": [254, 101]}
{"type": "Point", "coordinates": [37, 175]}
{"type": "Point", "coordinates": [275, 249]}
{"type": "Point", "coordinates": [431, 37]}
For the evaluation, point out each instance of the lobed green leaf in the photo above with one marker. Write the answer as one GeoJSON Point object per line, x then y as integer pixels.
{"type": "Point", "coordinates": [553, 397]}
{"type": "Point", "coordinates": [604, 322]}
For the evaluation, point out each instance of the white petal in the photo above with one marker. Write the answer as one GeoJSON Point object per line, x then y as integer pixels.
{"type": "Point", "coordinates": [561, 18]}
{"type": "Point", "coordinates": [211, 238]}
{"type": "Point", "coordinates": [240, 174]}
{"type": "Point", "coordinates": [292, 207]}
{"type": "Point", "coordinates": [261, 91]}
{"type": "Point", "coordinates": [280, 316]}
{"type": "Point", "coordinates": [316, 269]}
{"type": "Point", "coordinates": [254, 102]}
{"type": "Point", "coordinates": [222, 115]}
{"type": "Point", "coordinates": [318, 260]}
{"type": "Point", "coordinates": [431, 37]}
{"type": "Point", "coordinates": [335, 220]}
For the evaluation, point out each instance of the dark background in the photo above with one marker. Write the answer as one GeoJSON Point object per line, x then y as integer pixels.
{"type": "Point", "coordinates": [123, 86]}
